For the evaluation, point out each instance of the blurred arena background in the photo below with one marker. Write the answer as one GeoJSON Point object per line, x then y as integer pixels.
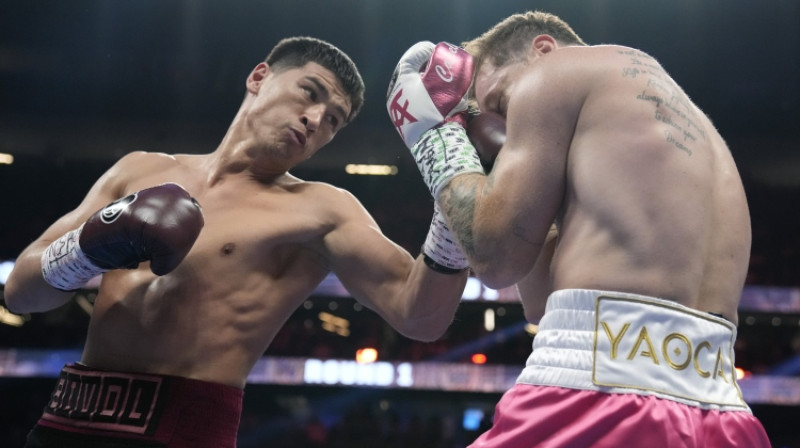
{"type": "Point", "coordinates": [84, 82]}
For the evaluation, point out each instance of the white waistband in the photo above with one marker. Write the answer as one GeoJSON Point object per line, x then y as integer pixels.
{"type": "Point", "coordinates": [627, 343]}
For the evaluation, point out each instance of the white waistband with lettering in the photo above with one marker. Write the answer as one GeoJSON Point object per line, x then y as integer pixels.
{"type": "Point", "coordinates": [627, 343]}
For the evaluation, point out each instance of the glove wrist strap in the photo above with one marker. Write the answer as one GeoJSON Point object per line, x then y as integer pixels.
{"type": "Point", "coordinates": [431, 263]}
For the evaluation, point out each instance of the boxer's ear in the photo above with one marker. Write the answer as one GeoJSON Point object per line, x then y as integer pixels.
{"type": "Point", "coordinates": [257, 76]}
{"type": "Point", "coordinates": [543, 43]}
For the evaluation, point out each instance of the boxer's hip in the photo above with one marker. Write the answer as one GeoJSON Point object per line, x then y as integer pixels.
{"type": "Point", "coordinates": [166, 409]}
{"type": "Point", "coordinates": [626, 343]}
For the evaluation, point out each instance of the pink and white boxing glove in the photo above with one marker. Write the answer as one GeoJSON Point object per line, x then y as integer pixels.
{"type": "Point", "coordinates": [427, 102]}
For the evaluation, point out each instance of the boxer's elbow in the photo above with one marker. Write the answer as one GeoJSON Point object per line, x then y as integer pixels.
{"type": "Point", "coordinates": [23, 297]}
{"type": "Point", "coordinates": [13, 298]}
{"type": "Point", "coordinates": [500, 272]}
{"type": "Point", "coordinates": [423, 330]}
{"type": "Point", "coordinates": [495, 278]}
{"type": "Point", "coordinates": [12, 295]}
{"type": "Point", "coordinates": [425, 327]}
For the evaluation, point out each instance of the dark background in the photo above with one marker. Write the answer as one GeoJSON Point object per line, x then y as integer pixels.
{"type": "Point", "coordinates": [83, 82]}
{"type": "Point", "coordinates": [95, 79]}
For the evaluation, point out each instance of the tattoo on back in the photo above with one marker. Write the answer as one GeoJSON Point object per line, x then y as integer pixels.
{"type": "Point", "coordinates": [670, 103]}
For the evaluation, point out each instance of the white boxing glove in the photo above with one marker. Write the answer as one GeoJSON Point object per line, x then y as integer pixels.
{"type": "Point", "coordinates": [427, 102]}
{"type": "Point", "coordinates": [429, 86]}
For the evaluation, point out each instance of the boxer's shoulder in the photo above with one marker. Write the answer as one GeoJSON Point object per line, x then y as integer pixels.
{"type": "Point", "coordinates": [144, 165]}
{"type": "Point", "coordinates": [324, 200]}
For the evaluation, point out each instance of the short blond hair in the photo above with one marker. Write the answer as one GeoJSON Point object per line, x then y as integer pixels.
{"type": "Point", "coordinates": [510, 39]}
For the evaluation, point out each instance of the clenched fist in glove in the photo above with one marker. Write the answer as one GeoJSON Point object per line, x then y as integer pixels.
{"type": "Point", "coordinates": [158, 224]}
{"type": "Point", "coordinates": [427, 102]}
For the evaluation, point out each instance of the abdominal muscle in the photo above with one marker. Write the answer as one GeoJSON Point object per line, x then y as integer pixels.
{"type": "Point", "coordinates": [214, 330]}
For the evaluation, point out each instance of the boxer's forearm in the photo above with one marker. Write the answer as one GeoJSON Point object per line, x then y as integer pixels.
{"type": "Point", "coordinates": [480, 219]}
{"type": "Point", "coordinates": [431, 299]}
{"type": "Point", "coordinates": [26, 291]}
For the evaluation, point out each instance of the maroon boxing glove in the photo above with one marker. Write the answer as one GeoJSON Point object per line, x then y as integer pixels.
{"type": "Point", "coordinates": [159, 224]}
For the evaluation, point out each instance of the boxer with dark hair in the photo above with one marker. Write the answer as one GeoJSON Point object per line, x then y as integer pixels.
{"type": "Point", "coordinates": [615, 207]}
{"type": "Point", "coordinates": [204, 257]}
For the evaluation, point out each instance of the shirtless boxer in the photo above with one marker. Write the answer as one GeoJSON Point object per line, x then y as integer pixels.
{"type": "Point", "coordinates": [178, 324]}
{"type": "Point", "coordinates": [613, 202]}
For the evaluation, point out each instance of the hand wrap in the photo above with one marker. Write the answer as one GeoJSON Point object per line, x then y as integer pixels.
{"type": "Point", "coordinates": [440, 251]}
{"type": "Point", "coordinates": [65, 266]}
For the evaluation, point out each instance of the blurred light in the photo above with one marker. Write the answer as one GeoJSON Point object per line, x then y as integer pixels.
{"type": "Point", "coordinates": [84, 303]}
{"type": "Point", "coordinates": [531, 329]}
{"type": "Point", "coordinates": [479, 358]}
{"type": "Point", "coordinates": [776, 321]}
{"type": "Point", "coordinates": [6, 159]}
{"type": "Point", "coordinates": [741, 373]}
{"type": "Point", "coordinates": [5, 270]}
{"type": "Point", "coordinates": [472, 419]}
{"type": "Point", "coordinates": [9, 318]}
{"type": "Point", "coordinates": [334, 329]}
{"type": "Point", "coordinates": [366, 355]}
{"type": "Point", "coordinates": [490, 294]}
{"type": "Point", "coordinates": [475, 290]}
{"type": "Point", "coordinates": [472, 290]}
{"type": "Point", "coordinates": [335, 324]}
{"type": "Point", "coordinates": [371, 170]}
{"type": "Point", "coordinates": [488, 319]}
{"type": "Point", "coordinates": [750, 320]}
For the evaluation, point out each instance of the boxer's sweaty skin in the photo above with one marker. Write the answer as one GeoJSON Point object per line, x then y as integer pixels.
{"type": "Point", "coordinates": [643, 190]}
{"type": "Point", "coordinates": [268, 241]}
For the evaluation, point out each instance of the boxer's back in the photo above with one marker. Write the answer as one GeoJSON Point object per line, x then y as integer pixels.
{"type": "Point", "coordinates": [654, 203]}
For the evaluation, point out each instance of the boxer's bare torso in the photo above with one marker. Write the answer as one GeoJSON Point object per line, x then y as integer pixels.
{"type": "Point", "coordinates": [644, 191]}
{"type": "Point", "coordinates": [260, 255]}
{"type": "Point", "coordinates": [269, 239]}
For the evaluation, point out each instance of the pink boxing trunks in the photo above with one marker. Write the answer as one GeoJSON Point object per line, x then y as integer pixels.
{"type": "Point", "coordinates": [133, 409]}
{"type": "Point", "coordinates": [612, 369]}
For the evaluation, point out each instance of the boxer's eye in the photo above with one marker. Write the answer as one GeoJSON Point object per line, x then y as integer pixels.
{"type": "Point", "coordinates": [333, 120]}
{"type": "Point", "coordinates": [311, 93]}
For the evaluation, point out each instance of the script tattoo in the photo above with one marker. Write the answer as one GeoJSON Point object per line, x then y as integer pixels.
{"type": "Point", "coordinates": [670, 104]}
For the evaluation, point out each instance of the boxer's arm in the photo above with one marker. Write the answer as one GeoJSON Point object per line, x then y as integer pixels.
{"type": "Point", "coordinates": [427, 103]}
{"type": "Point", "coordinates": [501, 219]}
{"type": "Point", "coordinates": [157, 224]}
{"type": "Point", "coordinates": [537, 285]}
{"type": "Point", "coordinates": [413, 298]}
{"type": "Point", "coordinates": [26, 290]}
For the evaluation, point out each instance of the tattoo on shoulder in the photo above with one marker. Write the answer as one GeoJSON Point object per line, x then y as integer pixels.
{"type": "Point", "coordinates": [670, 104]}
